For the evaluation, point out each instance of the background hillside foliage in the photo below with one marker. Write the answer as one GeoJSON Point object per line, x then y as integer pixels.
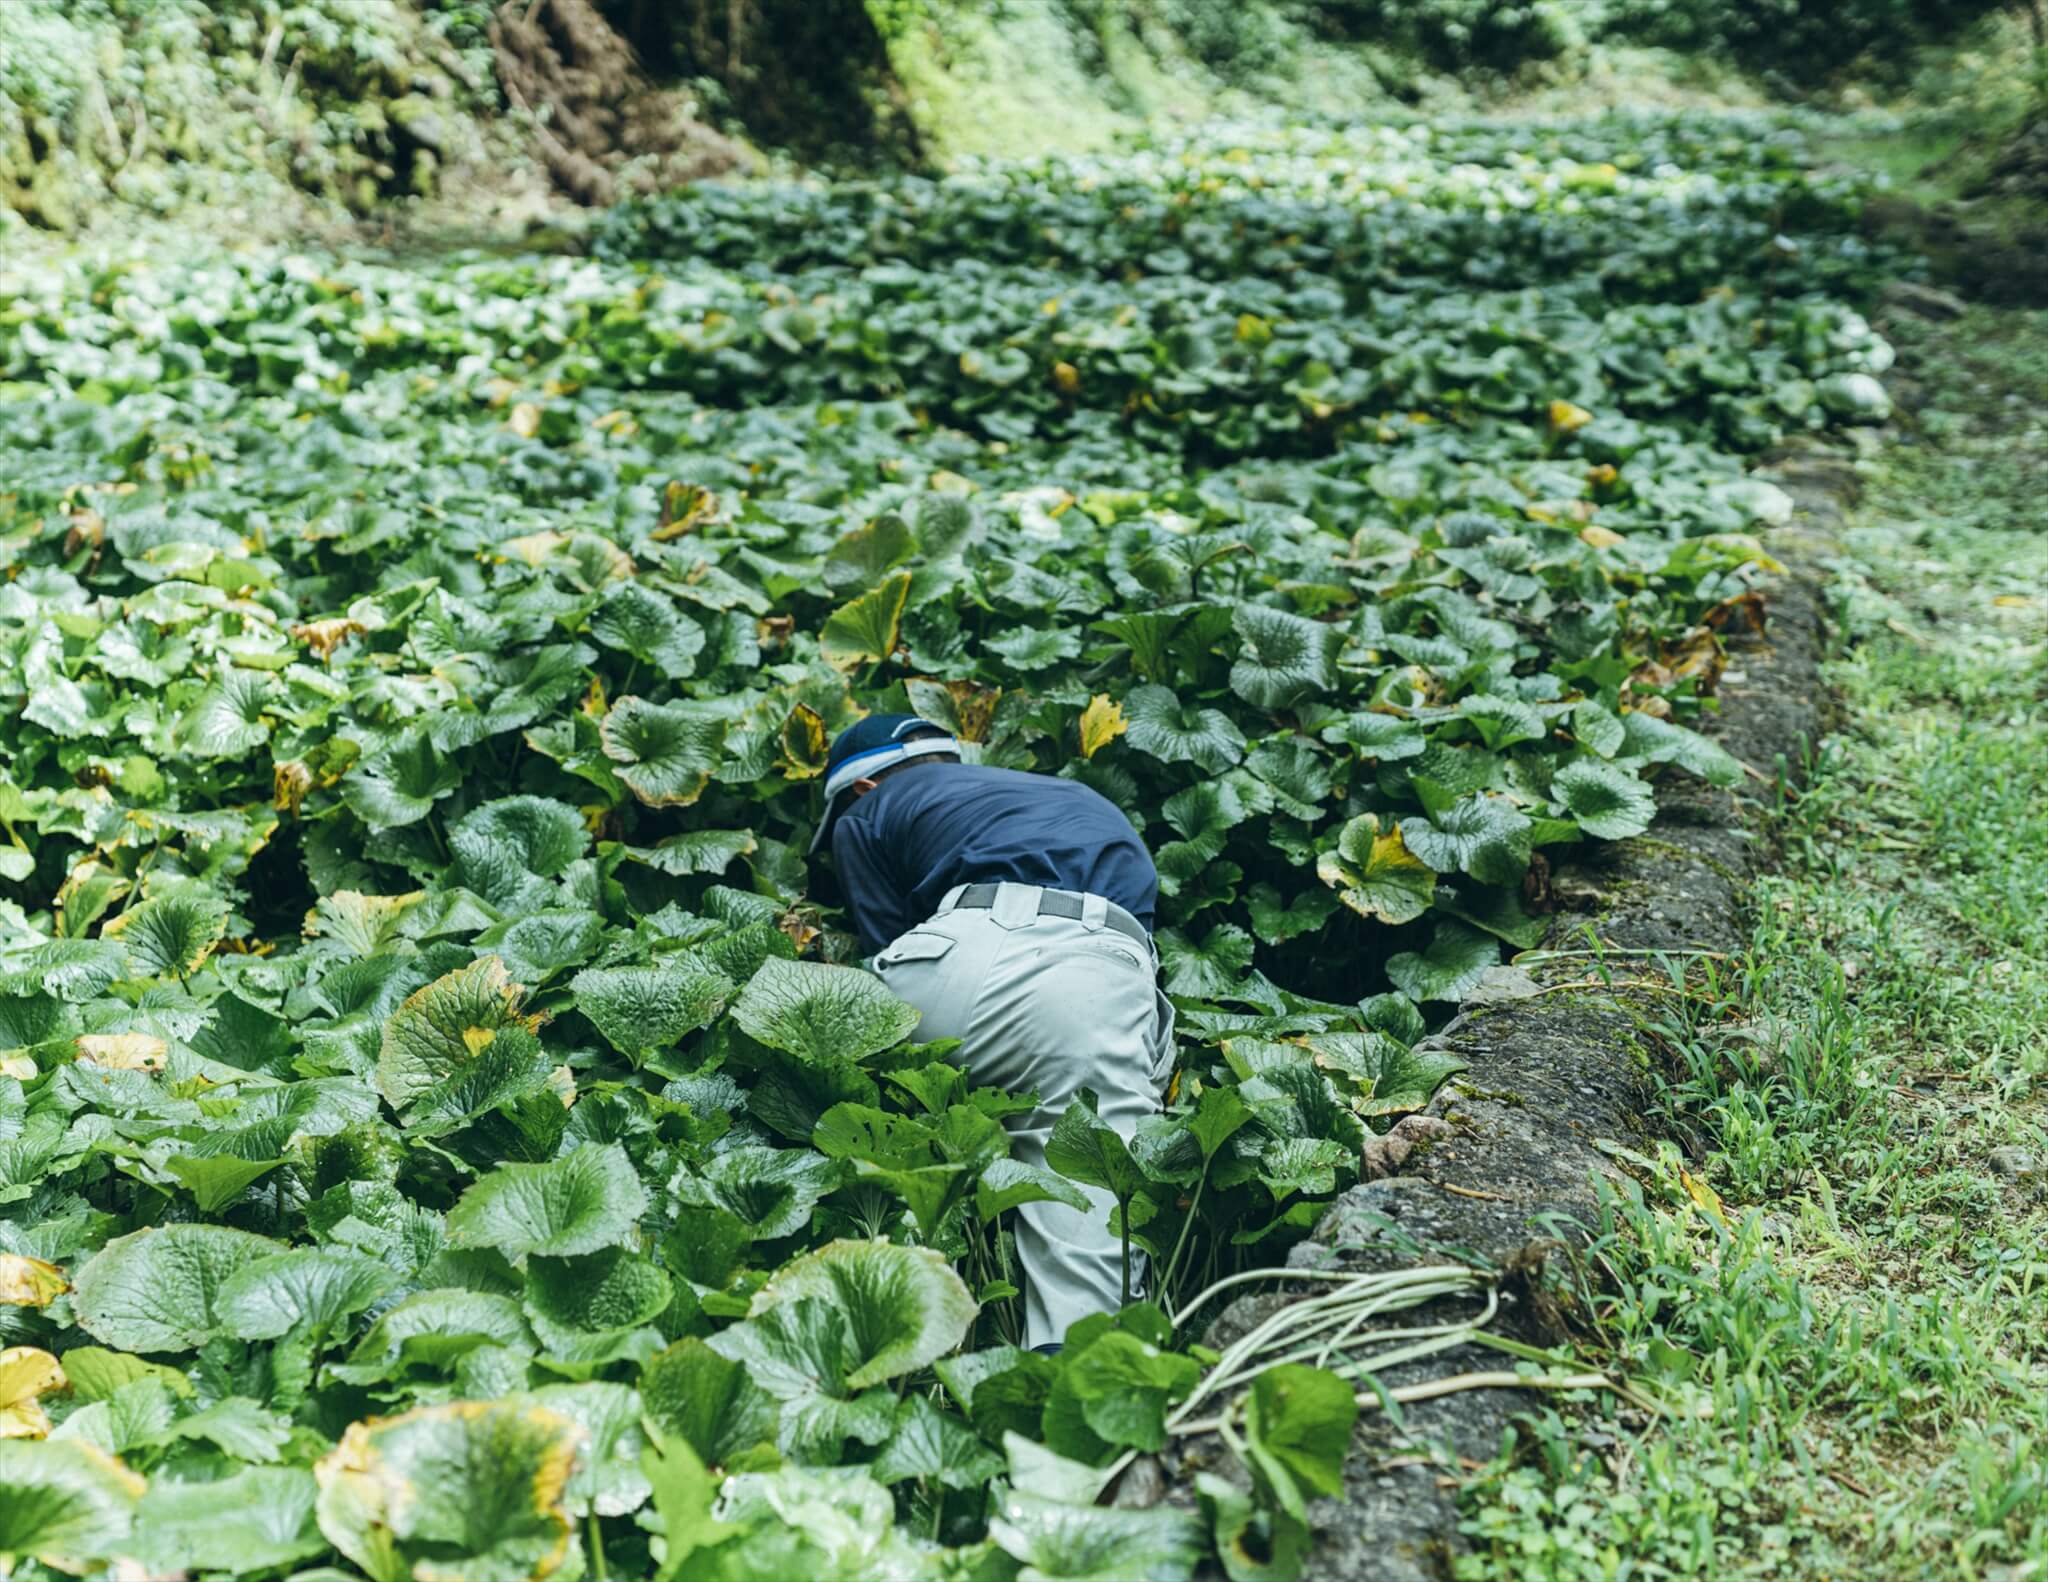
{"type": "Point", "coordinates": [160, 102]}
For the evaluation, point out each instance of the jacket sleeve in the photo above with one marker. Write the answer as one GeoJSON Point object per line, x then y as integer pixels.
{"type": "Point", "coordinates": [872, 894]}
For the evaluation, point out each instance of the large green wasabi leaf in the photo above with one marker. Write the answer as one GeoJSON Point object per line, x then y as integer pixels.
{"type": "Point", "coordinates": [1598, 730]}
{"type": "Point", "coordinates": [905, 1307]}
{"type": "Point", "coordinates": [1276, 921]}
{"type": "Point", "coordinates": [472, 1490]}
{"type": "Point", "coordinates": [169, 936]}
{"type": "Point", "coordinates": [1289, 1095]}
{"type": "Point", "coordinates": [308, 1289]}
{"type": "Point", "coordinates": [547, 835]}
{"type": "Point", "coordinates": [935, 1446]}
{"type": "Point", "coordinates": [638, 621]}
{"type": "Point", "coordinates": [1395, 1078]}
{"type": "Point", "coordinates": [1297, 1431]}
{"type": "Point", "coordinates": [1485, 836]}
{"type": "Point", "coordinates": [598, 1293]}
{"type": "Point", "coordinates": [819, 1012]}
{"type": "Point", "coordinates": [64, 1502]}
{"type": "Point", "coordinates": [820, 1522]}
{"type": "Point", "coordinates": [1148, 634]}
{"type": "Point", "coordinates": [1086, 1148]}
{"type": "Point", "coordinates": [229, 720]}
{"type": "Point", "coordinates": [868, 553]}
{"type": "Point", "coordinates": [159, 1289]}
{"type": "Point", "coordinates": [74, 970]}
{"type": "Point", "coordinates": [511, 1067]}
{"type": "Point", "coordinates": [588, 1199]}
{"type": "Point", "coordinates": [1650, 740]}
{"type": "Point", "coordinates": [771, 1191]}
{"type": "Point", "coordinates": [801, 1352]}
{"type": "Point", "coordinates": [608, 1479]}
{"type": "Point", "coordinates": [865, 630]}
{"type": "Point", "coordinates": [1452, 965]}
{"type": "Point", "coordinates": [1299, 774]}
{"type": "Point", "coordinates": [400, 785]}
{"type": "Point", "coordinates": [1005, 1184]}
{"type": "Point", "coordinates": [1307, 1165]}
{"type": "Point", "coordinates": [216, 1180]}
{"type": "Point", "coordinates": [530, 684]}
{"type": "Point", "coordinates": [1125, 1387]}
{"type": "Point", "coordinates": [1036, 647]}
{"type": "Point", "coordinates": [97, 1373]}
{"type": "Point", "coordinates": [1208, 968]}
{"type": "Point", "coordinates": [642, 1009]}
{"type": "Point", "coordinates": [1176, 733]}
{"type": "Point", "coordinates": [711, 1402]}
{"type": "Point", "coordinates": [1386, 738]}
{"type": "Point", "coordinates": [536, 946]}
{"type": "Point", "coordinates": [664, 752]}
{"type": "Point", "coordinates": [442, 1028]}
{"type": "Point", "coordinates": [434, 1329]}
{"type": "Point", "coordinates": [255, 1519]}
{"type": "Point", "coordinates": [1499, 566]}
{"type": "Point", "coordinates": [1375, 874]}
{"type": "Point", "coordinates": [1285, 657]}
{"type": "Point", "coordinates": [696, 851]}
{"type": "Point", "coordinates": [1057, 1542]}
{"type": "Point", "coordinates": [1502, 722]}
{"type": "Point", "coordinates": [1606, 801]}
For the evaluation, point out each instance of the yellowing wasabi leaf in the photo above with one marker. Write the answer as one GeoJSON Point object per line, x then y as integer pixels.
{"type": "Point", "coordinates": [1375, 874]}
{"type": "Point", "coordinates": [26, 1375]}
{"type": "Point", "coordinates": [122, 1051]}
{"type": "Point", "coordinates": [473, 1489]}
{"type": "Point", "coordinates": [1102, 722]}
{"type": "Point", "coordinates": [29, 1282]}
{"type": "Point", "coordinates": [864, 630]}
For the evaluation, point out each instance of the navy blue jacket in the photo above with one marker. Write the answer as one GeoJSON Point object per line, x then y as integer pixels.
{"type": "Point", "coordinates": [933, 825]}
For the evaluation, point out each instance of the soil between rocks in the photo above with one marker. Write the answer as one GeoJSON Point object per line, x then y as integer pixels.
{"type": "Point", "coordinates": [1556, 1071]}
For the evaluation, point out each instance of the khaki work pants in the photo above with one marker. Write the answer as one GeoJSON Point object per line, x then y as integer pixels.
{"type": "Point", "coordinates": [1045, 1005]}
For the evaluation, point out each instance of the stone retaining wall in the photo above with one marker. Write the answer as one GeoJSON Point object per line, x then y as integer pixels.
{"type": "Point", "coordinates": [1556, 1070]}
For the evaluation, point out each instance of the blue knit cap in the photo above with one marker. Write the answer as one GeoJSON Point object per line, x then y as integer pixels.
{"type": "Point", "coordinates": [867, 747]}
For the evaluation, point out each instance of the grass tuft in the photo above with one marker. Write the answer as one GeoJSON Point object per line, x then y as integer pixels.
{"type": "Point", "coordinates": [1842, 1298]}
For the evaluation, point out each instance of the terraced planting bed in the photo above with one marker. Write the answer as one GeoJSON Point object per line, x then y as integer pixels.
{"type": "Point", "coordinates": [443, 1130]}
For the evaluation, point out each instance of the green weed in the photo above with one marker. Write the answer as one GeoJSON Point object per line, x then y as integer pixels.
{"type": "Point", "coordinates": [1848, 1333]}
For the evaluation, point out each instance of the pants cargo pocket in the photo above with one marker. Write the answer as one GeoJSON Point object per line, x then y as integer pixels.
{"type": "Point", "coordinates": [913, 946]}
{"type": "Point", "coordinates": [924, 968]}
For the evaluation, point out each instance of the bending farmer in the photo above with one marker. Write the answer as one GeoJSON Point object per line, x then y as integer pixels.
{"type": "Point", "coordinates": [1015, 911]}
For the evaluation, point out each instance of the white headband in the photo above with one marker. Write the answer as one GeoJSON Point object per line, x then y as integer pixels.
{"type": "Point", "coordinates": [862, 766]}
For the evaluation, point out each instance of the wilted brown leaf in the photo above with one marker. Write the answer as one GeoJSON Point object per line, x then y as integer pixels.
{"type": "Point", "coordinates": [685, 507]}
{"type": "Point", "coordinates": [323, 637]}
{"type": "Point", "coordinates": [289, 783]}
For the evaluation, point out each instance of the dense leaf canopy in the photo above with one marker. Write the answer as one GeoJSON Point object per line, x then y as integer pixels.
{"type": "Point", "coordinates": [440, 1118]}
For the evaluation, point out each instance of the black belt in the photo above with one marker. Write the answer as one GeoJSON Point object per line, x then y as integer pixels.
{"type": "Point", "coordinates": [1058, 903]}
